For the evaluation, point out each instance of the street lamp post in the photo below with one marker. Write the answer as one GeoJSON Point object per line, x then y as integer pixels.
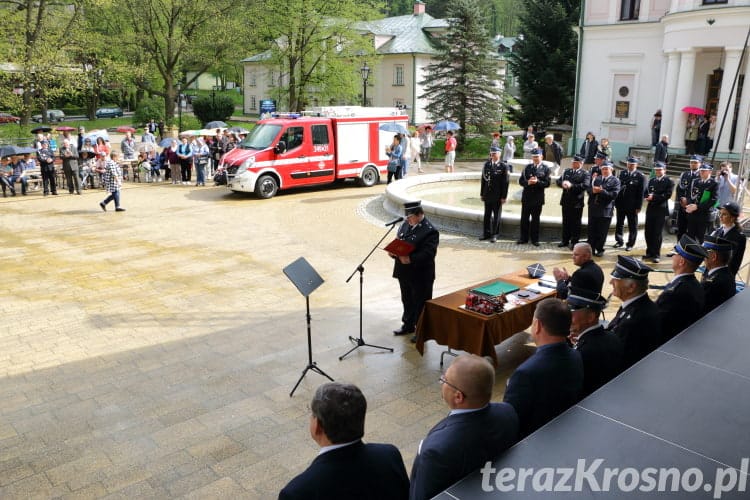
{"type": "Point", "coordinates": [365, 71]}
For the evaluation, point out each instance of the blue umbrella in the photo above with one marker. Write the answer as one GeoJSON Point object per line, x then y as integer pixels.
{"type": "Point", "coordinates": [166, 142]}
{"type": "Point", "coordinates": [394, 127]}
{"type": "Point", "coordinates": [15, 151]}
{"type": "Point", "coordinates": [446, 125]}
{"type": "Point", "coordinates": [216, 124]}
{"type": "Point", "coordinates": [94, 134]}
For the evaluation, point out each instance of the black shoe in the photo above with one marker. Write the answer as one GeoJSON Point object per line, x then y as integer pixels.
{"type": "Point", "coordinates": [521, 242]}
{"type": "Point", "coordinates": [119, 209]}
{"type": "Point", "coordinates": [413, 339]}
{"type": "Point", "coordinates": [535, 243]}
{"type": "Point", "coordinates": [617, 244]}
{"type": "Point", "coordinates": [104, 207]}
{"type": "Point", "coordinates": [561, 245]}
{"type": "Point", "coordinates": [55, 193]}
{"type": "Point", "coordinates": [655, 260]}
{"type": "Point", "coordinates": [404, 330]}
{"type": "Point", "coordinates": [484, 238]}
{"type": "Point", "coordinates": [670, 254]}
{"type": "Point", "coordinates": [598, 253]}
{"type": "Point", "coordinates": [628, 248]}
{"type": "Point", "coordinates": [570, 247]}
{"type": "Point", "coordinates": [492, 240]}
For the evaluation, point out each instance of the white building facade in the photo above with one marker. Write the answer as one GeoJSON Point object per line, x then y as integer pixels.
{"type": "Point", "coordinates": [640, 56]}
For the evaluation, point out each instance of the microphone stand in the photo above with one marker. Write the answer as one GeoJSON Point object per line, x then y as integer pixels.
{"type": "Point", "coordinates": [359, 341]}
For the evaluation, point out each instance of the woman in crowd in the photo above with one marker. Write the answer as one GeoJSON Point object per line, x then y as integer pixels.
{"type": "Point", "coordinates": [509, 151]}
{"type": "Point", "coordinates": [589, 148]}
{"type": "Point", "coordinates": [174, 162]}
{"type": "Point", "coordinates": [201, 155]}
{"type": "Point", "coordinates": [604, 147]}
{"type": "Point", "coordinates": [185, 158]}
{"type": "Point", "coordinates": [691, 134]}
{"type": "Point", "coordinates": [415, 150]}
{"type": "Point", "coordinates": [529, 145]}
{"type": "Point", "coordinates": [656, 128]}
{"type": "Point", "coordinates": [395, 152]}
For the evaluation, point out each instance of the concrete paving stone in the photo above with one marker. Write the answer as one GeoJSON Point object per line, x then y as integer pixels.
{"type": "Point", "coordinates": [218, 448]}
{"type": "Point", "coordinates": [228, 466]}
{"type": "Point", "coordinates": [10, 474]}
{"type": "Point", "coordinates": [195, 480]}
{"type": "Point", "coordinates": [90, 492]}
{"type": "Point", "coordinates": [90, 461]}
{"type": "Point", "coordinates": [141, 490]}
{"type": "Point", "coordinates": [225, 487]}
{"type": "Point", "coordinates": [133, 451]}
{"type": "Point", "coordinates": [33, 487]}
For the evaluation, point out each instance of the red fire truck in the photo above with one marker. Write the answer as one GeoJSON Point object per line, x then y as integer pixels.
{"type": "Point", "coordinates": [322, 146]}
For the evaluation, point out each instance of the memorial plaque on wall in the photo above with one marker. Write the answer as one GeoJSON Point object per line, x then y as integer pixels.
{"type": "Point", "coordinates": [622, 109]}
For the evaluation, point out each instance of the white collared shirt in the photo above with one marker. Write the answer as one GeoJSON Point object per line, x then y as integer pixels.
{"type": "Point", "coordinates": [626, 303]}
{"type": "Point", "coordinates": [326, 449]}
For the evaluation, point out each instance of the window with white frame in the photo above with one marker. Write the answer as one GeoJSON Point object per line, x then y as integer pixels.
{"type": "Point", "coordinates": [629, 10]}
{"type": "Point", "coordinates": [252, 79]}
{"type": "Point", "coordinates": [252, 101]}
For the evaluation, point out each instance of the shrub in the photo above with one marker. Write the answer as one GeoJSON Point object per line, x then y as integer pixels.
{"type": "Point", "coordinates": [149, 108]}
{"type": "Point", "coordinates": [218, 107]}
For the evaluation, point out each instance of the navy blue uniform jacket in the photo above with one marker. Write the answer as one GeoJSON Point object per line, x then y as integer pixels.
{"type": "Point", "coordinates": [533, 194]}
{"type": "Point", "coordinates": [601, 352]}
{"type": "Point", "coordinates": [719, 287]}
{"type": "Point", "coordinates": [639, 328]}
{"type": "Point", "coordinates": [680, 305]}
{"type": "Point", "coordinates": [460, 444]}
{"type": "Point", "coordinates": [425, 239]}
{"type": "Point", "coordinates": [358, 471]}
{"type": "Point", "coordinates": [602, 204]}
{"type": "Point", "coordinates": [545, 385]}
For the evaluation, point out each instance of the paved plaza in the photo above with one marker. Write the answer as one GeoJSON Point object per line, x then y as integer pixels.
{"type": "Point", "coordinates": [150, 353]}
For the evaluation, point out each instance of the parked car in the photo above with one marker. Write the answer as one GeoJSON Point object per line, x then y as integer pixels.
{"type": "Point", "coordinates": [114, 112]}
{"type": "Point", "coordinates": [53, 115]}
{"type": "Point", "coordinates": [8, 118]}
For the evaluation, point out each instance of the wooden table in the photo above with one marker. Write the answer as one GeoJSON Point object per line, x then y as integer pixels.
{"type": "Point", "coordinates": [443, 321]}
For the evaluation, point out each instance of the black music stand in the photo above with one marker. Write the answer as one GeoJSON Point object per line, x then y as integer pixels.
{"type": "Point", "coordinates": [307, 280]}
{"type": "Point", "coordinates": [359, 341]}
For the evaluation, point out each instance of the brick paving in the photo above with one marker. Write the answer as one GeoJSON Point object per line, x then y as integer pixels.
{"type": "Point", "coordinates": [150, 353]}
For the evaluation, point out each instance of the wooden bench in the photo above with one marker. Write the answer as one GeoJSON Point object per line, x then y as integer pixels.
{"type": "Point", "coordinates": [35, 183]}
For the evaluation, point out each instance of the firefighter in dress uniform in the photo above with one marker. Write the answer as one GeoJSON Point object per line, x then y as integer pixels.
{"type": "Point", "coordinates": [700, 209]}
{"type": "Point", "coordinates": [415, 272]}
{"type": "Point", "coordinates": [494, 192]}
{"type": "Point", "coordinates": [574, 182]}
{"type": "Point", "coordinates": [682, 193]}
{"type": "Point", "coordinates": [658, 192]}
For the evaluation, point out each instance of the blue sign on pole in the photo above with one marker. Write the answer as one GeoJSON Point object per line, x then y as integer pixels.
{"type": "Point", "coordinates": [267, 106]}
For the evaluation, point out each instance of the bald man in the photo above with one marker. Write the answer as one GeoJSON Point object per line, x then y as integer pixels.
{"type": "Point", "coordinates": [474, 432]}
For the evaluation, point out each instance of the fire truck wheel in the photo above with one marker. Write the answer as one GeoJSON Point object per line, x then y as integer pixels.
{"type": "Point", "coordinates": [369, 177]}
{"type": "Point", "coordinates": [266, 187]}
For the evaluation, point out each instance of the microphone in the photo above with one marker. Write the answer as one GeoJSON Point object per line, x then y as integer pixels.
{"type": "Point", "coordinates": [394, 221]}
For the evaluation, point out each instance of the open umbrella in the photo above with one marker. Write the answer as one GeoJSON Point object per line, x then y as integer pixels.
{"type": "Point", "coordinates": [94, 134]}
{"type": "Point", "coordinates": [446, 125]}
{"type": "Point", "coordinates": [166, 142]}
{"type": "Point", "coordinates": [424, 126]}
{"type": "Point", "coordinates": [694, 110]}
{"type": "Point", "coordinates": [239, 130]}
{"type": "Point", "coordinates": [125, 128]}
{"type": "Point", "coordinates": [395, 127]}
{"type": "Point", "coordinates": [15, 151]}
{"type": "Point", "coordinates": [65, 128]}
{"type": "Point", "coordinates": [43, 128]}
{"type": "Point", "coordinates": [209, 132]}
{"type": "Point", "coordinates": [145, 147]}
{"type": "Point", "coordinates": [216, 124]}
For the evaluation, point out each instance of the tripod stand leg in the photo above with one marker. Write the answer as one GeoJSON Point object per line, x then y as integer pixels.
{"type": "Point", "coordinates": [314, 367]}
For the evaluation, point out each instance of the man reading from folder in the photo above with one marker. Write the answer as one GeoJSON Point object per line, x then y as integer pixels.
{"type": "Point", "coordinates": [416, 271]}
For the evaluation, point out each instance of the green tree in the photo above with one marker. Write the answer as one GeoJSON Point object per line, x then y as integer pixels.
{"type": "Point", "coordinates": [210, 108]}
{"type": "Point", "coordinates": [315, 48]}
{"type": "Point", "coordinates": [462, 82]}
{"type": "Point", "coordinates": [164, 37]}
{"type": "Point", "coordinates": [545, 63]}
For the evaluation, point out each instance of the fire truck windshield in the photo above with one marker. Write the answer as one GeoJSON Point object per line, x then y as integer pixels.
{"type": "Point", "coordinates": [261, 137]}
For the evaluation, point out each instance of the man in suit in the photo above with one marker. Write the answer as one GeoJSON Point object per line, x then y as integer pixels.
{"type": "Point", "coordinates": [629, 203]}
{"type": "Point", "coordinates": [701, 203]}
{"type": "Point", "coordinates": [731, 231]}
{"type": "Point", "coordinates": [599, 160]}
{"type": "Point", "coordinates": [588, 276]}
{"type": "Point", "coordinates": [535, 178]}
{"type": "Point", "coordinates": [474, 431]}
{"type": "Point", "coordinates": [717, 282]}
{"type": "Point", "coordinates": [681, 302]}
{"type": "Point", "coordinates": [658, 192]}
{"type": "Point", "coordinates": [602, 195]}
{"type": "Point", "coordinates": [601, 351]}
{"type": "Point", "coordinates": [682, 193]}
{"type": "Point", "coordinates": [345, 467]}
{"type": "Point", "coordinates": [661, 151]}
{"type": "Point", "coordinates": [493, 191]}
{"type": "Point", "coordinates": [415, 272]}
{"type": "Point", "coordinates": [637, 323]}
{"type": "Point", "coordinates": [551, 380]}
{"type": "Point", "coordinates": [574, 182]}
